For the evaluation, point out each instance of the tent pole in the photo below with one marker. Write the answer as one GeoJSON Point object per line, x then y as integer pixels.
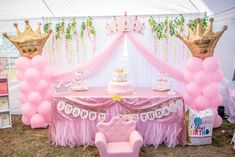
{"type": "Point", "coordinates": [48, 8]}
{"type": "Point", "coordinates": [65, 17]}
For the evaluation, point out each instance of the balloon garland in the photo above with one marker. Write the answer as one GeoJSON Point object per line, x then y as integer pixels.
{"type": "Point", "coordinates": [34, 74]}
{"type": "Point", "coordinates": [203, 72]}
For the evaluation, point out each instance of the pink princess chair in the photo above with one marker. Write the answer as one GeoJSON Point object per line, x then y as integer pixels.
{"type": "Point", "coordinates": [118, 138]}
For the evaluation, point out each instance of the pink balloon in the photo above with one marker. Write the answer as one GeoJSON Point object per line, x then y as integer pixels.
{"type": "Point", "coordinates": [39, 62]}
{"type": "Point", "coordinates": [218, 121]}
{"type": "Point", "coordinates": [37, 121]}
{"type": "Point", "coordinates": [217, 76]}
{"type": "Point", "coordinates": [32, 76]}
{"type": "Point", "coordinates": [188, 76]}
{"type": "Point", "coordinates": [202, 78]}
{"type": "Point", "coordinates": [188, 100]}
{"type": "Point", "coordinates": [210, 64]}
{"type": "Point", "coordinates": [22, 97]}
{"type": "Point", "coordinates": [25, 87]}
{"type": "Point", "coordinates": [193, 89]}
{"type": "Point", "coordinates": [47, 119]}
{"type": "Point", "coordinates": [42, 86]}
{"type": "Point", "coordinates": [200, 107]}
{"type": "Point", "coordinates": [194, 64]}
{"type": "Point", "coordinates": [44, 108]}
{"type": "Point", "coordinates": [27, 110]}
{"type": "Point", "coordinates": [25, 120]}
{"type": "Point", "coordinates": [19, 75]}
{"type": "Point", "coordinates": [211, 90]}
{"type": "Point", "coordinates": [201, 102]}
{"type": "Point", "coordinates": [46, 74]}
{"type": "Point", "coordinates": [48, 94]}
{"type": "Point", "coordinates": [34, 98]}
{"type": "Point", "coordinates": [22, 63]}
{"type": "Point", "coordinates": [215, 102]}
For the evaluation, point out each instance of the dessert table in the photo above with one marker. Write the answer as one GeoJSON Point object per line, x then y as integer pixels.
{"type": "Point", "coordinates": [160, 117]}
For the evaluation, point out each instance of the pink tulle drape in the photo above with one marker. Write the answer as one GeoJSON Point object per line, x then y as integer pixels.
{"type": "Point", "coordinates": [154, 61]}
{"type": "Point", "coordinates": [93, 65]}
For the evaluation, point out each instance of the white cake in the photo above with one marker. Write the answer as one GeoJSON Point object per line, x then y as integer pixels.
{"type": "Point", "coordinates": [161, 83]}
{"type": "Point", "coordinates": [119, 83]}
{"type": "Point", "coordinates": [79, 83]}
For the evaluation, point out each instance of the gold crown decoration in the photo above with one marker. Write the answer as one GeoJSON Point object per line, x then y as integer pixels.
{"type": "Point", "coordinates": [202, 43]}
{"type": "Point", "coordinates": [120, 70]}
{"type": "Point", "coordinates": [29, 42]}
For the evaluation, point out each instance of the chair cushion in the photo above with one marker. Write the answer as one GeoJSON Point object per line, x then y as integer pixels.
{"type": "Point", "coordinates": [119, 148]}
{"type": "Point", "coordinates": [116, 130]}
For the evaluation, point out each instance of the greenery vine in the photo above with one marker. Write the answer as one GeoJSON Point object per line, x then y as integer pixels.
{"type": "Point", "coordinates": [46, 27]}
{"type": "Point", "coordinates": [74, 25]}
{"type": "Point", "coordinates": [90, 26]}
{"type": "Point", "coordinates": [82, 29]}
{"type": "Point", "coordinates": [204, 23]}
{"type": "Point", "coordinates": [167, 27]}
{"type": "Point", "coordinates": [68, 35]}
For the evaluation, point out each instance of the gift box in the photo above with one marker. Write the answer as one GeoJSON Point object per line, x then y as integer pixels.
{"type": "Point", "coordinates": [3, 87]}
{"type": "Point", "coordinates": [3, 103]}
{"type": "Point", "coordinates": [4, 120]}
{"type": "Point", "coordinates": [200, 126]}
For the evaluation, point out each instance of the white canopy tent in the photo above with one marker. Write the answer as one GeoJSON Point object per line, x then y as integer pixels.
{"type": "Point", "coordinates": [35, 10]}
{"type": "Point", "coordinates": [28, 9]}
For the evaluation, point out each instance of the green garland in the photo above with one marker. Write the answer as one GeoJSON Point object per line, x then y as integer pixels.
{"type": "Point", "coordinates": [74, 25]}
{"type": "Point", "coordinates": [46, 27]}
{"type": "Point", "coordinates": [68, 35]}
{"type": "Point", "coordinates": [204, 23]}
{"type": "Point", "coordinates": [57, 30]}
{"type": "Point", "coordinates": [90, 26]}
{"type": "Point", "coordinates": [168, 27]}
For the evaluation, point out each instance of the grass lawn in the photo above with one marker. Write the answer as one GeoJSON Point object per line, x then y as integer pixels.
{"type": "Point", "coordinates": [22, 141]}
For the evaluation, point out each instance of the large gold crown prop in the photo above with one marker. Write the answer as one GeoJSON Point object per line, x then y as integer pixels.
{"type": "Point", "coordinates": [29, 43]}
{"type": "Point", "coordinates": [202, 43]}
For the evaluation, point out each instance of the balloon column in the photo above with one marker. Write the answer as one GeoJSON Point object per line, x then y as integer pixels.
{"type": "Point", "coordinates": [203, 73]}
{"type": "Point", "coordinates": [34, 74]}
{"type": "Point", "coordinates": [35, 93]}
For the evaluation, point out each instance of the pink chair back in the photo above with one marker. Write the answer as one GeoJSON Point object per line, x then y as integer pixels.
{"type": "Point", "coordinates": [116, 130]}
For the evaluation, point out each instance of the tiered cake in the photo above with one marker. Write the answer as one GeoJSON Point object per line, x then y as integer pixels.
{"type": "Point", "coordinates": [161, 83]}
{"type": "Point", "coordinates": [119, 84]}
{"type": "Point", "coordinates": [79, 83]}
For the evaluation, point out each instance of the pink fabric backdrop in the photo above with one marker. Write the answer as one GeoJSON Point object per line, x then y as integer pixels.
{"type": "Point", "coordinates": [158, 64]}
{"type": "Point", "coordinates": [93, 65]}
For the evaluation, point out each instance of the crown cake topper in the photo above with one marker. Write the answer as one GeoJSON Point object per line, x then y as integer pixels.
{"type": "Point", "coordinates": [62, 87]}
{"type": "Point", "coordinates": [29, 43]}
{"type": "Point", "coordinates": [202, 43]}
{"type": "Point", "coordinates": [125, 24]}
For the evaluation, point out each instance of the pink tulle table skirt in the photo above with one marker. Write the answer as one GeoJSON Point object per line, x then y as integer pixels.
{"type": "Point", "coordinates": [69, 128]}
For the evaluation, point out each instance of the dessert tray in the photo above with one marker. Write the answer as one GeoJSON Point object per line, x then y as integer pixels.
{"type": "Point", "coordinates": [161, 89]}
{"type": "Point", "coordinates": [76, 88]}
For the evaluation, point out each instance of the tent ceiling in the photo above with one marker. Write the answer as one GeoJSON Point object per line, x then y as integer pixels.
{"type": "Point", "coordinates": [15, 9]}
